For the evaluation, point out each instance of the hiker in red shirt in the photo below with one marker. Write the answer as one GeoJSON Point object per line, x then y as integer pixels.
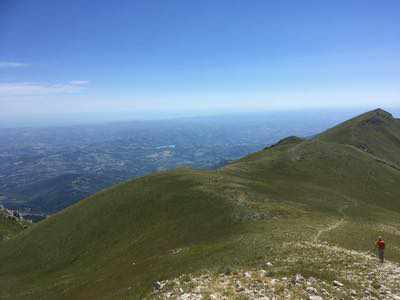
{"type": "Point", "coordinates": [380, 244]}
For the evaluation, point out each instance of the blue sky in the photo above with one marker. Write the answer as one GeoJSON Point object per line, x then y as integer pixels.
{"type": "Point", "coordinates": [60, 57]}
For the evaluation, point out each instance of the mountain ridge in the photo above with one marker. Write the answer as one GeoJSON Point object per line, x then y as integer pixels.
{"type": "Point", "coordinates": [363, 132]}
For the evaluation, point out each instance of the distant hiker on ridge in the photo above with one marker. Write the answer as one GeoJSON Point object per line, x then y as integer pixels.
{"type": "Point", "coordinates": [380, 244]}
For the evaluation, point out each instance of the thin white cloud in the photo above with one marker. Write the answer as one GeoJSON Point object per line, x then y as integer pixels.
{"type": "Point", "coordinates": [79, 82]}
{"type": "Point", "coordinates": [39, 89]}
{"type": "Point", "coordinates": [9, 64]}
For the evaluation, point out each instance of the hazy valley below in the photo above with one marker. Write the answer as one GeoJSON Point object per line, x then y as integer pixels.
{"type": "Point", "coordinates": [46, 168]}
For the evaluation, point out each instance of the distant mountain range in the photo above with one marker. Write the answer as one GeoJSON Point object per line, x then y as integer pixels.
{"type": "Point", "coordinates": [311, 207]}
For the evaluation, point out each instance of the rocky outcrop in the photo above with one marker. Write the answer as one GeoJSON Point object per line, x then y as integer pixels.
{"type": "Point", "coordinates": [363, 278]}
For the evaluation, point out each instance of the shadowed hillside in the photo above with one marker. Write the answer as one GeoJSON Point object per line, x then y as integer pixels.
{"type": "Point", "coordinates": [10, 225]}
{"type": "Point", "coordinates": [282, 205]}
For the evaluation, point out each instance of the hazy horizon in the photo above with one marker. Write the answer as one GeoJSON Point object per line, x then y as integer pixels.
{"type": "Point", "coordinates": [77, 119]}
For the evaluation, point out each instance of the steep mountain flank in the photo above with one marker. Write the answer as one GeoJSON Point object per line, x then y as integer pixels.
{"type": "Point", "coordinates": [282, 206]}
{"type": "Point", "coordinates": [376, 132]}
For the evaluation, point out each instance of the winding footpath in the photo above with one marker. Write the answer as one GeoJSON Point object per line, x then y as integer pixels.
{"type": "Point", "coordinates": [358, 275]}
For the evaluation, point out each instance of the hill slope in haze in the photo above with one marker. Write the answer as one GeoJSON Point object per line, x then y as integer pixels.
{"type": "Point", "coordinates": [298, 205]}
{"type": "Point", "coordinates": [10, 225]}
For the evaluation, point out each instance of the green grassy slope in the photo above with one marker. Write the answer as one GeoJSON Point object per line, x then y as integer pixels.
{"type": "Point", "coordinates": [376, 132]}
{"type": "Point", "coordinates": [114, 244]}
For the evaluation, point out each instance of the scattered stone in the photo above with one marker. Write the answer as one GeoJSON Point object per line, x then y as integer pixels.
{"type": "Point", "coordinates": [175, 251]}
{"type": "Point", "coordinates": [359, 268]}
{"type": "Point", "coordinates": [325, 292]}
{"type": "Point", "coordinates": [298, 279]}
{"type": "Point", "coordinates": [239, 287]}
{"type": "Point", "coordinates": [158, 285]}
{"type": "Point", "coordinates": [313, 297]}
{"type": "Point", "coordinates": [311, 280]}
{"type": "Point", "coordinates": [311, 290]}
{"type": "Point", "coordinates": [190, 296]}
{"type": "Point", "coordinates": [337, 283]}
